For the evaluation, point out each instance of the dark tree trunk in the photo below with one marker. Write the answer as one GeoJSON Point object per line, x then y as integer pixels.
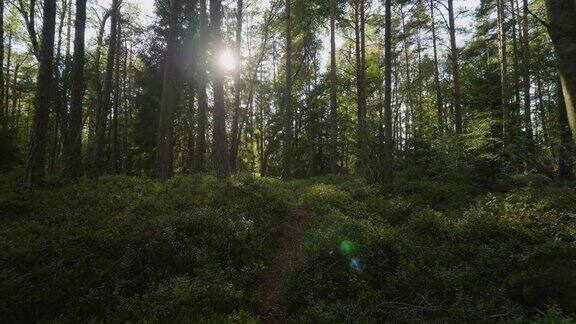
{"type": "Point", "coordinates": [389, 142]}
{"type": "Point", "coordinates": [35, 163]}
{"type": "Point", "coordinates": [199, 163]}
{"type": "Point", "coordinates": [562, 29]}
{"type": "Point", "coordinates": [2, 57]}
{"type": "Point", "coordinates": [454, 56]}
{"type": "Point", "coordinates": [566, 149]}
{"type": "Point", "coordinates": [219, 142]}
{"type": "Point", "coordinates": [235, 139]}
{"type": "Point", "coordinates": [104, 108]}
{"type": "Point", "coordinates": [73, 141]}
{"type": "Point", "coordinates": [361, 132]}
{"type": "Point", "coordinates": [505, 95]}
{"type": "Point", "coordinates": [288, 115]}
{"type": "Point", "coordinates": [164, 166]}
{"type": "Point", "coordinates": [526, 77]}
{"type": "Point", "coordinates": [439, 99]}
{"type": "Point", "coordinates": [333, 89]}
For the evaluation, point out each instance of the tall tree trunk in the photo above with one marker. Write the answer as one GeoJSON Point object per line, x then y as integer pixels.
{"type": "Point", "coordinates": [566, 149]}
{"type": "Point", "coordinates": [526, 77]}
{"type": "Point", "coordinates": [361, 132]}
{"type": "Point", "coordinates": [505, 95]}
{"type": "Point", "coordinates": [1, 56]}
{"type": "Point", "coordinates": [235, 139]}
{"type": "Point", "coordinates": [35, 163]}
{"type": "Point", "coordinates": [439, 99]}
{"type": "Point", "coordinates": [454, 56]}
{"type": "Point", "coordinates": [333, 89]}
{"type": "Point", "coordinates": [97, 82]}
{"type": "Point", "coordinates": [562, 29]}
{"type": "Point", "coordinates": [164, 166]}
{"type": "Point", "coordinates": [515, 114]}
{"type": "Point", "coordinates": [200, 147]}
{"type": "Point", "coordinates": [389, 141]}
{"type": "Point", "coordinates": [104, 109]}
{"type": "Point", "coordinates": [73, 141]}
{"type": "Point", "coordinates": [219, 143]}
{"type": "Point", "coordinates": [288, 115]}
{"type": "Point", "coordinates": [115, 165]}
{"type": "Point", "coordinates": [6, 97]}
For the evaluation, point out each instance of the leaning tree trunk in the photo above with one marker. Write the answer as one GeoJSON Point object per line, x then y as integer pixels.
{"type": "Point", "coordinates": [73, 141]}
{"type": "Point", "coordinates": [163, 168]}
{"type": "Point", "coordinates": [36, 161]}
{"type": "Point", "coordinates": [562, 29]}
{"type": "Point", "coordinates": [288, 115]}
{"type": "Point", "coordinates": [219, 146]}
{"type": "Point", "coordinates": [104, 108]}
{"type": "Point", "coordinates": [566, 149]}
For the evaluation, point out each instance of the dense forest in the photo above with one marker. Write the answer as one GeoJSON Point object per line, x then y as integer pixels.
{"type": "Point", "coordinates": [288, 161]}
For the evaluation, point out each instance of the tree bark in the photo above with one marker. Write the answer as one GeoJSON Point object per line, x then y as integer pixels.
{"type": "Point", "coordinates": [164, 166]}
{"type": "Point", "coordinates": [200, 148]}
{"type": "Point", "coordinates": [505, 95]}
{"type": "Point", "coordinates": [333, 89]}
{"type": "Point", "coordinates": [439, 99]}
{"type": "Point", "coordinates": [288, 114]}
{"type": "Point", "coordinates": [454, 56]}
{"type": "Point", "coordinates": [526, 78]}
{"type": "Point", "coordinates": [389, 142]}
{"type": "Point", "coordinates": [562, 30]}
{"type": "Point", "coordinates": [104, 108]}
{"type": "Point", "coordinates": [35, 163]}
{"type": "Point", "coordinates": [566, 149]}
{"type": "Point", "coordinates": [219, 142]}
{"type": "Point", "coordinates": [73, 141]}
{"type": "Point", "coordinates": [2, 57]}
{"type": "Point", "coordinates": [361, 132]}
{"type": "Point", "coordinates": [235, 139]}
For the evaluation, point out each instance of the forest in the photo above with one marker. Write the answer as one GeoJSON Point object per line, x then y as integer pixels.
{"type": "Point", "coordinates": [288, 161]}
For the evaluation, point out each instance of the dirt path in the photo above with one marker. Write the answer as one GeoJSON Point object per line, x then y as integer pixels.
{"type": "Point", "coordinates": [271, 292]}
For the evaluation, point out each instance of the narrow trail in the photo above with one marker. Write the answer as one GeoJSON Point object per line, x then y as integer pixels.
{"type": "Point", "coordinates": [273, 304]}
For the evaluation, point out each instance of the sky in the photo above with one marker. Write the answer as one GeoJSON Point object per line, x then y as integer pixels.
{"type": "Point", "coordinates": [147, 16]}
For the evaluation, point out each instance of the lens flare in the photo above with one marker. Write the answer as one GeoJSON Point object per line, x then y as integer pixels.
{"type": "Point", "coordinates": [347, 247]}
{"type": "Point", "coordinates": [227, 60]}
{"type": "Point", "coordinates": [356, 265]}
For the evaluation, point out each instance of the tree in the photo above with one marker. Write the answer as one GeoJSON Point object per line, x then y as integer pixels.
{"type": "Point", "coordinates": [333, 89]}
{"type": "Point", "coordinates": [288, 114]}
{"type": "Point", "coordinates": [237, 88]}
{"type": "Point", "coordinates": [103, 109]}
{"type": "Point", "coordinates": [454, 56]}
{"type": "Point", "coordinates": [505, 95]}
{"type": "Point", "coordinates": [389, 142]}
{"type": "Point", "coordinates": [198, 164]}
{"type": "Point", "coordinates": [164, 166]}
{"type": "Point", "coordinates": [73, 141]}
{"type": "Point", "coordinates": [562, 30]}
{"type": "Point", "coordinates": [219, 146]}
{"type": "Point", "coordinates": [36, 161]}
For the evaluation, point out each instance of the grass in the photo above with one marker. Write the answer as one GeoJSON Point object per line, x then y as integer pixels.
{"type": "Point", "coordinates": [194, 249]}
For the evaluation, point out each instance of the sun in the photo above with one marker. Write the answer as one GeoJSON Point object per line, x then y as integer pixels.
{"type": "Point", "coordinates": [227, 60]}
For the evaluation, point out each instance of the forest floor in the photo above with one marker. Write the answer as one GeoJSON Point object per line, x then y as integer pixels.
{"type": "Point", "coordinates": [273, 301]}
{"type": "Point", "coordinates": [330, 249]}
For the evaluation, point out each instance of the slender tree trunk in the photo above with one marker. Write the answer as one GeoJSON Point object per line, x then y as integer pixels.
{"type": "Point", "coordinates": [199, 164]}
{"type": "Point", "coordinates": [235, 139]}
{"type": "Point", "coordinates": [1, 56]}
{"type": "Point", "coordinates": [361, 90]}
{"type": "Point", "coordinates": [115, 166]}
{"type": "Point", "coordinates": [526, 78]}
{"type": "Point", "coordinates": [73, 142]}
{"type": "Point", "coordinates": [104, 109]}
{"type": "Point", "coordinates": [515, 114]}
{"type": "Point", "coordinates": [219, 143]}
{"type": "Point", "coordinates": [454, 56]}
{"type": "Point", "coordinates": [35, 163]}
{"type": "Point", "coordinates": [562, 29]}
{"type": "Point", "coordinates": [288, 114]}
{"type": "Point", "coordinates": [333, 89]}
{"type": "Point", "coordinates": [505, 95]}
{"type": "Point", "coordinates": [389, 141]}
{"type": "Point", "coordinates": [439, 99]}
{"type": "Point", "coordinates": [6, 97]}
{"type": "Point", "coordinates": [566, 149]}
